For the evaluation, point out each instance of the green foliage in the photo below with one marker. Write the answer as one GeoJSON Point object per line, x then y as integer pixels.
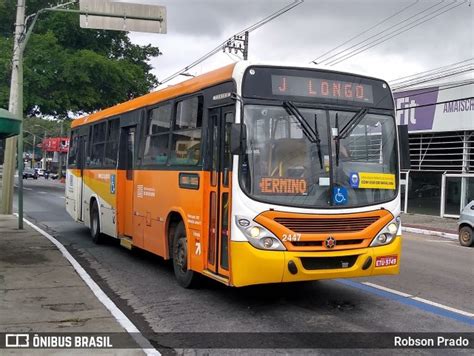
{"type": "Point", "coordinates": [72, 70]}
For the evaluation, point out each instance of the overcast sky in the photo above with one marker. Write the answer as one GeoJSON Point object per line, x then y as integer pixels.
{"type": "Point", "coordinates": [311, 29]}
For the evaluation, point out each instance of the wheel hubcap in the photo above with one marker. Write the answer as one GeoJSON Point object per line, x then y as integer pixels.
{"type": "Point", "coordinates": [465, 237]}
{"type": "Point", "coordinates": [181, 256]}
{"type": "Point", "coordinates": [94, 225]}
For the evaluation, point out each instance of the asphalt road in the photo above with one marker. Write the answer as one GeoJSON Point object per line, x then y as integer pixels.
{"type": "Point", "coordinates": [143, 286]}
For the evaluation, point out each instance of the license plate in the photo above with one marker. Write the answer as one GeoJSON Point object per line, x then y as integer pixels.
{"type": "Point", "coordinates": [384, 261]}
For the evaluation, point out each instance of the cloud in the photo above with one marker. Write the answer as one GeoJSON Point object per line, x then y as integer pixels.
{"type": "Point", "coordinates": [311, 29]}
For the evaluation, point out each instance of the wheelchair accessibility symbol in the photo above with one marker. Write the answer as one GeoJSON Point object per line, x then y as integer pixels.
{"type": "Point", "coordinates": [339, 195]}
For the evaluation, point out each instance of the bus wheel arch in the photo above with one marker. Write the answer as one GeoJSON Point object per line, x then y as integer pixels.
{"type": "Point", "coordinates": [173, 220]}
{"type": "Point", "coordinates": [94, 221]}
{"type": "Point", "coordinates": [186, 277]}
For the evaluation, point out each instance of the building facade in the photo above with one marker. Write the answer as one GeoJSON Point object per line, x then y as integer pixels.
{"type": "Point", "coordinates": [440, 123]}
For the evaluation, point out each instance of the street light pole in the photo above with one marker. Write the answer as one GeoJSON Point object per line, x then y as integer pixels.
{"type": "Point", "coordinates": [34, 146]}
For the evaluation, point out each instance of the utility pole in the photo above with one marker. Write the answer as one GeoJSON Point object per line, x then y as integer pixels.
{"type": "Point", "coordinates": [238, 43]}
{"type": "Point", "coordinates": [16, 107]}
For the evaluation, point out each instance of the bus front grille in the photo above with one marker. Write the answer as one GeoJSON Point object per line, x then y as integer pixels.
{"type": "Point", "coordinates": [327, 225]}
{"type": "Point", "coordinates": [315, 263]}
{"type": "Point", "coordinates": [320, 243]}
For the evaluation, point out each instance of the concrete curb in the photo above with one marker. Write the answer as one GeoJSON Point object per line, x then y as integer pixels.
{"type": "Point", "coordinates": [121, 318]}
{"type": "Point", "coordinates": [416, 230]}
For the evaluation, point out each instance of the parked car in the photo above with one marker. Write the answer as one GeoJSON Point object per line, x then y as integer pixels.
{"type": "Point", "coordinates": [40, 172]}
{"type": "Point", "coordinates": [30, 173]}
{"type": "Point", "coordinates": [466, 225]}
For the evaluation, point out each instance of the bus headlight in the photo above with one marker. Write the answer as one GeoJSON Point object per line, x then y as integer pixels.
{"type": "Point", "coordinates": [387, 234]}
{"type": "Point", "coordinates": [258, 236]}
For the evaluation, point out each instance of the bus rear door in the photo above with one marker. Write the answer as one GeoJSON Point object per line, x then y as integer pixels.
{"type": "Point", "coordinates": [125, 185]}
{"type": "Point", "coordinates": [82, 153]}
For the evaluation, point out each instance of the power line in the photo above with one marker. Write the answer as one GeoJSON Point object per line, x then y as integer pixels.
{"type": "Point", "coordinates": [365, 31]}
{"type": "Point", "coordinates": [430, 79]}
{"type": "Point", "coordinates": [395, 33]}
{"type": "Point", "coordinates": [432, 74]}
{"type": "Point", "coordinates": [241, 33]}
{"type": "Point", "coordinates": [438, 89]}
{"type": "Point", "coordinates": [415, 80]}
{"type": "Point", "coordinates": [430, 70]}
{"type": "Point", "coordinates": [381, 32]}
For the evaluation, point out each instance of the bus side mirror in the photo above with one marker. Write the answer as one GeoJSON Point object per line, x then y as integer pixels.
{"type": "Point", "coordinates": [238, 139]}
{"type": "Point", "coordinates": [404, 147]}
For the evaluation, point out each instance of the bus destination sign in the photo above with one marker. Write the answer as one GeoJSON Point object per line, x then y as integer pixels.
{"type": "Point", "coordinates": [321, 88]}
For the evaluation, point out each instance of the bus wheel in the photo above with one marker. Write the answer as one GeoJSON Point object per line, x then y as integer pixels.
{"type": "Point", "coordinates": [186, 278]}
{"type": "Point", "coordinates": [97, 236]}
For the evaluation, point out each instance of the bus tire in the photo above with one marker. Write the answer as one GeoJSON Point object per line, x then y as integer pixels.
{"type": "Point", "coordinates": [97, 236]}
{"type": "Point", "coordinates": [186, 278]}
{"type": "Point", "coordinates": [466, 236]}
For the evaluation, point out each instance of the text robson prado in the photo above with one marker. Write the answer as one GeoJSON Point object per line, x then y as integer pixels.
{"type": "Point", "coordinates": [438, 341]}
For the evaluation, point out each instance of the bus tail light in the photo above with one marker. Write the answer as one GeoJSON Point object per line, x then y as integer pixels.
{"type": "Point", "coordinates": [258, 236]}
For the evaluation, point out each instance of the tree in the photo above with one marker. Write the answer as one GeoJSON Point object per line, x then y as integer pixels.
{"type": "Point", "coordinates": [72, 70]}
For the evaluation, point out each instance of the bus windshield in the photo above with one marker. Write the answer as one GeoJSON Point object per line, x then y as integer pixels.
{"type": "Point", "coordinates": [317, 158]}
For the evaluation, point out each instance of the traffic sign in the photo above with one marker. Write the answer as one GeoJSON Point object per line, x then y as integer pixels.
{"type": "Point", "coordinates": [122, 16]}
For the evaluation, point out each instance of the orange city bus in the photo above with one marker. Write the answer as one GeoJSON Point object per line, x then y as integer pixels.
{"type": "Point", "coordinates": [248, 174]}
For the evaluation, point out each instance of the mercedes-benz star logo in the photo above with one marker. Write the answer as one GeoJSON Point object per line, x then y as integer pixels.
{"type": "Point", "coordinates": [330, 242]}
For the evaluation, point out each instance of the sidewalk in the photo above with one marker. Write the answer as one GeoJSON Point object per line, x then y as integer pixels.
{"type": "Point", "coordinates": [42, 292]}
{"type": "Point", "coordinates": [430, 223]}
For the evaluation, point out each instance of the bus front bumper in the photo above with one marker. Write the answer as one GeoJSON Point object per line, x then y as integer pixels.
{"type": "Point", "coordinates": [254, 266]}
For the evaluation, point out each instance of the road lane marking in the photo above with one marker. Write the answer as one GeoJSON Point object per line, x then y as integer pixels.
{"type": "Point", "coordinates": [24, 188]}
{"type": "Point", "coordinates": [41, 192]}
{"type": "Point", "coordinates": [406, 295]}
{"type": "Point", "coordinates": [462, 312]}
{"type": "Point", "coordinates": [420, 303]}
{"type": "Point", "coordinates": [125, 322]}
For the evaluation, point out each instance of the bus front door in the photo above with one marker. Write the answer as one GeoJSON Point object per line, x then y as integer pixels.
{"type": "Point", "coordinates": [220, 188]}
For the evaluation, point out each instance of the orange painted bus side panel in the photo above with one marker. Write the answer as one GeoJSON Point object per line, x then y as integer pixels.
{"type": "Point", "coordinates": [157, 195]}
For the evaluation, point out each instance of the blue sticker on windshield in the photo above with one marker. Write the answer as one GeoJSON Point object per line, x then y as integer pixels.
{"type": "Point", "coordinates": [339, 195]}
{"type": "Point", "coordinates": [354, 180]}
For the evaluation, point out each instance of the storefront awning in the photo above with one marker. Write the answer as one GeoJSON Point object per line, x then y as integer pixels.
{"type": "Point", "coordinates": [9, 124]}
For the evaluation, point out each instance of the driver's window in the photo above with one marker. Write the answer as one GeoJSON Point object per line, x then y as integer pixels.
{"type": "Point", "coordinates": [186, 137]}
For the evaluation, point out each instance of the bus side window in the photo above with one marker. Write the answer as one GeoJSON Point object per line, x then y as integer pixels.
{"type": "Point", "coordinates": [73, 156]}
{"type": "Point", "coordinates": [156, 143]}
{"type": "Point", "coordinates": [112, 143]}
{"type": "Point", "coordinates": [186, 137]}
{"type": "Point", "coordinates": [97, 147]}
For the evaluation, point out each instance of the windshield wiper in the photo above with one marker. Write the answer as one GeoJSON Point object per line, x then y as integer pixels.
{"type": "Point", "coordinates": [312, 135]}
{"type": "Point", "coordinates": [347, 129]}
